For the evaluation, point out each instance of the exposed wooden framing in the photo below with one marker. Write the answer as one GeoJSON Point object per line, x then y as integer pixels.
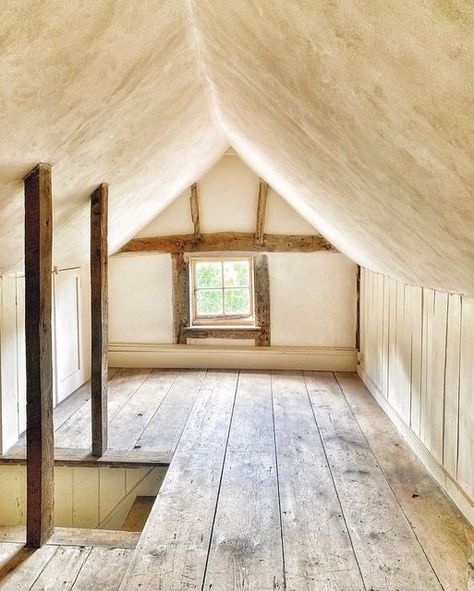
{"type": "Point", "coordinates": [228, 241]}
{"type": "Point", "coordinates": [39, 356]}
{"type": "Point", "coordinates": [261, 210]}
{"type": "Point", "coordinates": [99, 318]}
{"type": "Point", "coordinates": [82, 457]}
{"type": "Point", "coordinates": [195, 210]}
{"type": "Point", "coordinates": [262, 300]}
{"type": "Point", "coordinates": [230, 332]}
{"type": "Point", "coordinates": [181, 306]}
{"type": "Point", "coordinates": [357, 335]}
{"type": "Point", "coordinates": [180, 280]}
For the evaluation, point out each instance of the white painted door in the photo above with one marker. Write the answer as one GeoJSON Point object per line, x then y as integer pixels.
{"type": "Point", "coordinates": [20, 351]}
{"type": "Point", "coordinates": [68, 337]}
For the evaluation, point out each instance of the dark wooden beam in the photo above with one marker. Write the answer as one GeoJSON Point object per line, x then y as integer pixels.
{"type": "Point", "coordinates": [195, 210]}
{"type": "Point", "coordinates": [228, 241]}
{"type": "Point", "coordinates": [357, 335]}
{"type": "Point", "coordinates": [99, 318]}
{"type": "Point", "coordinates": [261, 210]}
{"type": "Point", "coordinates": [180, 282]}
{"type": "Point", "coordinates": [39, 356]}
{"type": "Point", "coordinates": [262, 300]}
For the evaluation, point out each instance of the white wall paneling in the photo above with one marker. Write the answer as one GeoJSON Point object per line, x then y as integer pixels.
{"type": "Point", "coordinates": [84, 497]}
{"type": "Point", "coordinates": [417, 358]}
{"type": "Point", "coordinates": [71, 343]}
{"type": "Point", "coordinates": [71, 315]}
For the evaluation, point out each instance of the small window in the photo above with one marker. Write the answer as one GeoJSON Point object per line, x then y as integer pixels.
{"type": "Point", "coordinates": [222, 291]}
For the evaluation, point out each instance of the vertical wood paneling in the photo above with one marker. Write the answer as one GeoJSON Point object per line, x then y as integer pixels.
{"type": "Point", "coordinates": [386, 334]}
{"type": "Point", "coordinates": [418, 349]}
{"type": "Point", "coordinates": [392, 342]}
{"type": "Point", "coordinates": [427, 346]}
{"type": "Point", "coordinates": [451, 397]}
{"type": "Point", "coordinates": [416, 321]}
{"type": "Point", "coordinates": [379, 311]}
{"type": "Point", "coordinates": [465, 473]}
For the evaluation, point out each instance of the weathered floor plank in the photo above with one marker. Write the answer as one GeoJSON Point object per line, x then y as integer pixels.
{"type": "Point", "coordinates": [246, 547]}
{"type": "Point", "coordinates": [130, 422]}
{"type": "Point", "coordinates": [164, 429]}
{"type": "Point", "coordinates": [104, 569]}
{"type": "Point", "coordinates": [445, 536]}
{"type": "Point", "coordinates": [76, 431]}
{"type": "Point", "coordinates": [318, 551]}
{"type": "Point", "coordinates": [61, 572]}
{"type": "Point", "coordinates": [389, 555]}
{"type": "Point", "coordinates": [173, 548]}
{"type": "Point", "coordinates": [287, 501]}
{"type": "Point", "coordinates": [20, 566]}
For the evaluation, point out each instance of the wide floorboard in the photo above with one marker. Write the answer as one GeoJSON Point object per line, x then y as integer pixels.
{"type": "Point", "coordinates": [73, 560]}
{"type": "Point", "coordinates": [284, 480]}
{"type": "Point", "coordinates": [297, 481]}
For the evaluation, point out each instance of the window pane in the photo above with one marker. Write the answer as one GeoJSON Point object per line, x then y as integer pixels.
{"type": "Point", "coordinates": [237, 301]}
{"type": "Point", "coordinates": [209, 302]}
{"type": "Point", "coordinates": [208, 274]}
{"type": "Point", "coordinates": [236, 273]}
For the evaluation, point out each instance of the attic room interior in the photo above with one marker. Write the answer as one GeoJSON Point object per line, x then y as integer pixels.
{"type": "Point", "coordinates": [237, 295]}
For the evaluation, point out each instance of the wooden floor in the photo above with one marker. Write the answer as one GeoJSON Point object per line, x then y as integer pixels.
{"type": "Point", "coordinates": [283, 480]}
{"type": "Point", "coordinates": [148, 410]}
{"type": "Point", "coordinates": [79, 560]}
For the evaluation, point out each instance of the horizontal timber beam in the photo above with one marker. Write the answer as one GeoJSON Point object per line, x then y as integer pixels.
{"type": "Point", "coordinates": [229, 241]}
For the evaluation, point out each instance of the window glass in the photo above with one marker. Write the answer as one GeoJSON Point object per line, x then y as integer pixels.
{"type": "Point", "coordinates": [222, 290]}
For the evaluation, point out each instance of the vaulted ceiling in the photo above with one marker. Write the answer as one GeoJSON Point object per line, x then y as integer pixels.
{"type": "Point", "coordinates": [359, 113]}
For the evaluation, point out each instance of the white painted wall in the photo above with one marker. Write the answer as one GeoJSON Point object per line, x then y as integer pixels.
{"type": "Point", "coordinates": [71, 345]}
{"type": "Point", "coordinates": [312, 295]}
{"type": "Point", "coordinates": [228, 203]}
{"type": "Point", "coordinates": [312, 299]}
{"type": "Point", "coordinates": [140, 299]}
{"type": "Point", "coordinates": [417, 358]}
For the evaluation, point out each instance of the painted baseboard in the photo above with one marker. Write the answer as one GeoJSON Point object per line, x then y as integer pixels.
{"type": "Point", "coordinates": [439, 473]}
{"type": "Point", "coordinates": [231, 357]}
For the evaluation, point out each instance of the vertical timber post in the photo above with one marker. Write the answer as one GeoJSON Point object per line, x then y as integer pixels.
{"type": "Point", "coordinates": [99, 318]}
{"type": "Point", "coordinates": [262, 300]}
{"type": "Point", "coordinates": [39, 356]}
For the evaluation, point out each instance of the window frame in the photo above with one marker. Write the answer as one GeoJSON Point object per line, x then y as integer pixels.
{"type": "Point", "coordinates": [224, 320]}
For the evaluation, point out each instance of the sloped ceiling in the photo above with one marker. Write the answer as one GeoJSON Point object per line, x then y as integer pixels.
{"type": "Point", "coordinates": [359, 113]}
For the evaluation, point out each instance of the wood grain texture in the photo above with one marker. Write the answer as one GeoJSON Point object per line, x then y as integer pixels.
{"type": "Point", "coordinates": [246, 546]}
{"type": "Point", "coordinates": [228, 241]}
{"type": "Point", "coordinates": [262, 300]}
{"type": "Point", "coordinates": [173, 548]}
{"type": "Point", "coordinates": [104, 569]}
{"type": "Point", "coordinates": [99, 317]}
{"type": "Point", "coordinates": [39, 360]}
{"type": "Point", "coordinates": [388, 552]}
{"type": "Point", "coordinates": [446, 539]}
{"type": "Point", "coordinates": [63, 569]}
{"type": "Point", "coordinates": [261, 211]}
{"type": "Point", "coordinates": [164, 429]}
{"type": "Point", "coordinates": [421, 339]}
{"type": "Point", "coordinates": [194, 202]}
{"type": "Point", "coordinates": [315, 537]}
{"type": "Point", "coordinates": [180, 294]}
{"type": "Point", "coordinates": [82, 457]}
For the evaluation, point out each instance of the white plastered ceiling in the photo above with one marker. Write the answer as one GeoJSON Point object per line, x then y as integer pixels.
{"type": "Point", "coordinates": [359, 113]}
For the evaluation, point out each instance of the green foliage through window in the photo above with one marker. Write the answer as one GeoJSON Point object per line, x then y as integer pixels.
{"type": "Point", "coordinates": [223, 288]}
